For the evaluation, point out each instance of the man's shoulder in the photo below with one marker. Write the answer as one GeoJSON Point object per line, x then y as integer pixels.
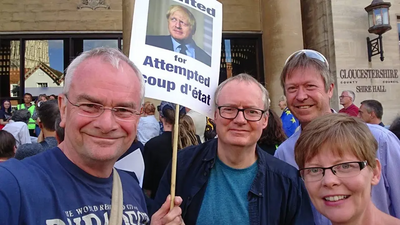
{"type": "Point", "coordinates": [27, 150]}
{"type": "Point", "coordinates": [278, 167]}
{"type": "Point", "coordinates": [381, 134]}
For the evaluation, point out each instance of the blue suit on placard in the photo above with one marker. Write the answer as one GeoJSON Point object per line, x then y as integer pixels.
{"type": "Point", "coordinates": [165, 42]}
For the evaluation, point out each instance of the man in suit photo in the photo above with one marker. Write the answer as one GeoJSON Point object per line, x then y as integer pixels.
{"type": "Point", "coordinates": [182, 27]}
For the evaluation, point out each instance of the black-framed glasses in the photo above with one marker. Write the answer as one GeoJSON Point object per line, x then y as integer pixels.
{"type": "Point", "coordinates": [310, 54]}
{"type": "Point", "coordinates": [250, 114]}
{"type": "Point", "coordinates": [95, 110]}
{"type": "Point", "coordinates": [346, 169]}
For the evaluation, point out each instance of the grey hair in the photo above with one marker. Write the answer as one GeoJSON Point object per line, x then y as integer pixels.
{"type": "Point", "coordinates": [244, 77]}
{"type": "Point", "coordinates": [302, 61]}
{"type": "Point", "coordinates": [21, 115]}
{"type": "Point", "coordinates": [375, 106]}
{"type": "Point", "coordinates": [109, 55]}
{"type": "Point", "coordinates": [351, 95]}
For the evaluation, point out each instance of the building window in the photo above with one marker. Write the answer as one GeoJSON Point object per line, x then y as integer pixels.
{"type": "Point", "coordinates": [42, 85]}
{"type": "Point", "coordinates": [35, 63]}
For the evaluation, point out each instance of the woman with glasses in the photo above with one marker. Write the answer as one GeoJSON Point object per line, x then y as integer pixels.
{"type": "Point", "coordinates": [336, 155]}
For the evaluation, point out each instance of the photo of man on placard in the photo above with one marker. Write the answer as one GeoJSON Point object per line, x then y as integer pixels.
{"type": "Point", "coordinates": [181, 27]}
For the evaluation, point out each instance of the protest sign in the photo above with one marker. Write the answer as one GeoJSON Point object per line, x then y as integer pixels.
{"type": "Point", "coordinates": [177, 46]}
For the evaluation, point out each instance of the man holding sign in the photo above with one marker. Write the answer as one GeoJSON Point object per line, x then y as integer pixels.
{"type": "Point", "coordinates": [229, 180]}
{"type": "Point", "coordinates": [182, 27]}
{"type": "Point", "coordinates": [75, 182]}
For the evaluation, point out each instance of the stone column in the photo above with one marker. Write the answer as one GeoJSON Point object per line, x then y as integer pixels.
{"type": "Point", "coordinates": [282, 35]}
{"type": "Point", "coordinates": [127, 17]}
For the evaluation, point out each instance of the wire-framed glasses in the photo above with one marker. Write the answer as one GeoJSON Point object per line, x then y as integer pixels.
{"type": "Point", "coordinates": [250, 114]}
{"type": "Point", "coordinates": [346, 169]}
{"type": "Point", "coordinates": [95, 110]}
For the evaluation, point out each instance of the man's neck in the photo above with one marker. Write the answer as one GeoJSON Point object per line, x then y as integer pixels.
{"type": "Point", "coordinates": [238, 157]}
{"type": "Point", "coordinates": [94, 168]}
{"type": "Point", "coordinates": [347, 105]}
{"type": "Point", "coordinates": [167, 127]}
{"type": "Point", "coordinates": [28, 105]}
{"type": "Point", "coordinates": [47, 133]}
{"type": "Point", "coordinates": [375, 121]}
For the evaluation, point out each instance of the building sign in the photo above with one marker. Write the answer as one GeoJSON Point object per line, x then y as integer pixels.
{"type": "Point", "coordinates": [369, 80]}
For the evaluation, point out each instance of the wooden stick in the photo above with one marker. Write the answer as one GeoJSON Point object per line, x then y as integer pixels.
{"type": "Point", "coordinates": [174, 156]}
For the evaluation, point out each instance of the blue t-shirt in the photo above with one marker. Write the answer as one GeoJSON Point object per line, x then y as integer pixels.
{"type": "Point", "coordinates": [49, 189]}
{"type": "Point", "coordinates": [225, 200]}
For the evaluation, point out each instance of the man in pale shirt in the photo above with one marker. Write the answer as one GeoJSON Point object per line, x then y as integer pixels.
{"type": "Point", "coordinates": [308, 87]}
{"type": "Point", "coordinates": [18, 127]}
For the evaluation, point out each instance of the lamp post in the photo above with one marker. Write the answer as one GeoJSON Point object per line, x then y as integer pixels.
{"type": "Point", "coordinates": [379, 23]}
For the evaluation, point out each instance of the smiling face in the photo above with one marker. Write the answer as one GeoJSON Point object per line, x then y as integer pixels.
{"type": "Point", "coordinates": [179, 26]}
{"type": "Point", "coordinates": [306, 95]}
{"type": "Point", "coordinates": [239, 131]}
{"type": "Point", "coordinates": [105, 138]}
{"type": "Point", "coordinates": [341, 199]}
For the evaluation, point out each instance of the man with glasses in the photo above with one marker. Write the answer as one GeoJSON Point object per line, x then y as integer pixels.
{"type": "Point", "coordinates": [230, 180]}
{"type": "Point", "coordinates": [308, 87]}
{"type": "Point", "coordinates": [73, 183]}
{"type": "Point", "coordinates": [347, 101]}
{"type": "Point", "coordinates": [182, 27]}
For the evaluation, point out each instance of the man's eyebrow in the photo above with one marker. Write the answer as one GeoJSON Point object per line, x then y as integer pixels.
{"type": "Point", "coordinates": [127, 105]}
{"type": "Point", "coordinates": [85, 97]}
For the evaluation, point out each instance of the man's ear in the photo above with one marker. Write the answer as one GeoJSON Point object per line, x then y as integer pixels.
{"type": "Point", "coordinates": [376, 176]}
{"type": "Point", "coordinates": [62, 105]}
{"type": "Point", "coordinates": [330, 90]}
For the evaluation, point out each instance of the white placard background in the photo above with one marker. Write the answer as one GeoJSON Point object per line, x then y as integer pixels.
{"type": "Point", "coordinates": [170, 86]}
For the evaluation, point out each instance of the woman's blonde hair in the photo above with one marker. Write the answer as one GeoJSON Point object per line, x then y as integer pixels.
{"type": "Point", "coordinates": [342, 133]}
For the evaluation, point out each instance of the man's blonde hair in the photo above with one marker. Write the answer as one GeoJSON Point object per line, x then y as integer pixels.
{"type": "Point", "coordinates": [342, 133]}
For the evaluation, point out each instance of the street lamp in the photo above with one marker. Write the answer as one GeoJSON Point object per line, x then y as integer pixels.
{"type": "Point", "coordinates": [379, 23]}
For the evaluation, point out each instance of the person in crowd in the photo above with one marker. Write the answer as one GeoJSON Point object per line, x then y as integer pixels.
{"type": "Point", "coordinates": [18, 127]}
{"type": "Point", "coordinates": [200, 122]}
{"type": "Point", "coordinates": [52, 97]}
{"type": "Point", "coordinates": [7, 146]}
{"type": "Point", "coordinates": [336, 155]}
{"type": "Point", "coordinates": [60, 133]}
{"type": "Point", "coordinates": [229, 180]}
{"type": "Point", "coordinates": [371, 111]}
{"type": "Point", "coordinates": [40, 100]}
{"type": "Point", "coordinates": [158, 150]}
{"type": "Point", "coordinates": [181, 27]}
{"type": "Point", "coordinates": [395, 127]}
{"type": "Point", "coordinates": [210, 131]}
{"type": "Point", "coordinates": [5, 113]}
{"type": "Point", "coordinates": [347, 99]}
{"type": "Point", "coordinates": [273, 135]}
{"type": "Point", "coordinates": [148, 125]}
{"type": "Point", "coordinates": [289, 122]}
{"type": "Point", "coordinates": [100, 107]}
{"type": "Point", "coordinates": [308, 86]}
{"type": "Point", "coordinates": [189, 130]}
{"type": "Point", "coordinates": [47, 115]}
{"type": "Point", "coordinates": [31, 108]}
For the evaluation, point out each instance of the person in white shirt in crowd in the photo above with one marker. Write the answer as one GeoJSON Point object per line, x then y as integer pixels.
{"type": "Point", "coordinates": [18, 127]}
{"type": "Point", "coordinates": [148, 125]}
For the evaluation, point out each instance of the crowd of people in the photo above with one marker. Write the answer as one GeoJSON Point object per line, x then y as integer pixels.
{"type": "Point", "coordinates": [98, 153]}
